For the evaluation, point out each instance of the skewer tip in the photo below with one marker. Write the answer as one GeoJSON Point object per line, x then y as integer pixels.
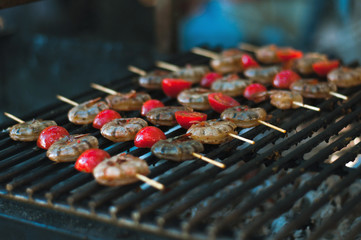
{"type": "Point", "coordinates": [13, 117]}
{"type": "Point", "coordinates": [272, 126]}
{"type": "Point", "coordinates": [208, 160]}
{"type": "Point", "coordinates": [241, 138]}
{"type": "Point", "coordinates": [339, 95]}
{"type": "Point", "coordinates": [150, 182]}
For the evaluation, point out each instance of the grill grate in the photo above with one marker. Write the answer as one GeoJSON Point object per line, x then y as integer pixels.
{"type": "Point", "coordinates": [203, 201]}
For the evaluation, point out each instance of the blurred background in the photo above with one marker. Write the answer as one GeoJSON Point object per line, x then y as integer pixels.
{"type": "Point", "coordinates": [51, 47]}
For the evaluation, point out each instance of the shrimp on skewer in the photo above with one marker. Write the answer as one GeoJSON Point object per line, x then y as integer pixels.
{"type": "Point", "coordinates": [27, 131]}
{"type": "Point", "coordinates": [245, 117]}
{"type": "Point", "coordinates": [230, 85]}
{"type": "Point", "coordinates": [122, 129]}
{"type": "Point", "coordinates": [150, 80]}
{"type": "Point", "coordinates": [123, 169]}
{"type": "Point", "coordinates": [304, 65]}
{"type": "Point", "coordinates": [345, 77]}
{"type": "Point", "coordinates": [195, 98]}
{"type": "Point", "coordinates": [193, 74]}
{"type": "Point", "coordinates": [312, 88]}
{"type": "Point", "coordinates": [212, 131]}
{"type": "Point", "coordinates": [69, 148]}
{"type": "Point", "coordinates": [181, 148]}
{"type": "Point", "coordinates": [123, 101]}
{"type": "Point", "coordinates": [164, 116]}
{"type": "Point", "coordinates": [264, 75]}
{"type": "Point", "coordinates": [84, 113]}
{"type": "Point", "coordinates": [271, 54]}
{"type": "Point", "coordinates": [228, 61]}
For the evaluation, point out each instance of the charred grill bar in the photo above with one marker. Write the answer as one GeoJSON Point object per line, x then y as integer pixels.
{"type": "Point", "coordinates": [203, 201]}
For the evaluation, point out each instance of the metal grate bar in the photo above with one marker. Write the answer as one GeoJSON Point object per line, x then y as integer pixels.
{"type": "Point", "coordinates": [30, 176]}
{"type": "Point", "coordinates": [24, 166]}
{"type": "Point", "coordinates": [47, 182]}
{"type": "Point", "coordinates": [67, 185]}
{"type": "Point", "coordinates": [15, 159]}
{"type": "Point", "coordinates": [312, 184]}
{"type": "Point", "coordinates": [83, 192]}
{"type": "Point", "coordinates": [232, 218]}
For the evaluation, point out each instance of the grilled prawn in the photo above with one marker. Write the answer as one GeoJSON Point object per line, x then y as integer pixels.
{"type": "Point", "coordinates": [190, 73]}
{"type": "Point", "coordinates": [30, 130]}
{"type": "Point", "coordinates": [69, 148]}
{"type": "Point", "coordinates": [153, 80]}
{"type": "Point", "coordinates": [304, 65]}
{"type": "Point", "coordinates": [122, 129]}
{"type": "Point", "coordinates": [163, 116]}
{"type": "Point", "coordinates": [229, 61]}
{"type": "Point", "coordinates": [285, 99]}
{"type": "Point", "coordinates": [212, 132]}
{"type": "Point", "coordinates": [85, 113]}
{"type": "Point", "coordinates": [120, 170]}
{"type": "Point", "coordinates": [345, 77]}
{"type": "Point", "coordinates": [230, 85]}
{"type": "Point", "coordinates": [262, 75]}
{"type": "Point", "coordinates": [243, 116]}
{"type": "Point", "coordinates": [267, 54]}
{"type": "Point", "coordinates": [312, 88]}
{"type": "Point", "coordinates": [127, 101]}
{"type": "Point", "coordinates": [177, 149]}
{"type": "Point", "coordinates": [196, 98]}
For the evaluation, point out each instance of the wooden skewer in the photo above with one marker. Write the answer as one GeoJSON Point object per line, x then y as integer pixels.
{"type": "Point", "coordinates": [13, 117]}
{"type": "Point", "coordinates": [205, 52]}
{"type": "Point", "coordinates": [103, 89]}
{"type": "Point", "coordinates": [168, 66]}
{"type": "Point", "coordinates": [272, 126]}
{"type": "Point", "coordinates": [136, 70]}
{"type": "Point", "coordinates": [338, 95]}
{"type": "Point", "coordinates": [150, 182]}
{"type": "Point", "coordinates": [67, 100]}
{"type": "Point", "coordinates": [208, 160]}
{"type": "Point", "coordinates": [248, 47]}
{"type": "Point", "coordinates": [306, 106]}
{"type": "Point", "coordinates": [241, 138]}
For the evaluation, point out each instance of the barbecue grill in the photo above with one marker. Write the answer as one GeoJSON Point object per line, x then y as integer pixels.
{"type": "Point", "coordinates": [293, 185]}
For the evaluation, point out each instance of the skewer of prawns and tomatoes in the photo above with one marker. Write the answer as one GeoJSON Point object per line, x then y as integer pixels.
{"type": "Point", "coordinates": [60, 145]}
{"type": "Point", "coordinates": [129, 129]}
{"type": "Point", "coordinates": [310, 63]}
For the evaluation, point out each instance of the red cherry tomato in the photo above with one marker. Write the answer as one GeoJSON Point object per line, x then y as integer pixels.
{"type": "Point", "coordinates": [89, 159]}
{"type": "Point", "coordinates": [252, 90]}
{"type": "Point", "coordinates": [186, 119]}
{"type": "Point", "coordinates": [147, 136]}
{"type": "Point", "coordinates": [220, 102]}
{"type": "Point", "coordinates": [172, 86]}
{"type": "Point", "coordinates": [247, 61]}
{"type": "Point", "coordinates": [286, 54]}
{"type": "Point", "coordinates": [50, 135]}
{"type": "Point", "coordinates": [149, 105]}
{"type": "Point", "coordinates": [209, 78]}
{"type": "Point", "coordinates": [104, 117]}
{"type": "Point", "coordinates": [285, 78]}
{"type": "Point", "coordinates": [323, 67]}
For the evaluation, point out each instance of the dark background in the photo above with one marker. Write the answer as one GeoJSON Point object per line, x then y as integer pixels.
{"type": "Point", "coordinates": [54, 47]}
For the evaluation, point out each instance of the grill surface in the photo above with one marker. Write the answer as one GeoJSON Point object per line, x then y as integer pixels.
{"type": "Point", "coordinates": [262, 182]}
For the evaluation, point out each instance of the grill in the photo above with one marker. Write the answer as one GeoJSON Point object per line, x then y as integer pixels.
{"type": "Point", "coordinates": [264, 186]}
